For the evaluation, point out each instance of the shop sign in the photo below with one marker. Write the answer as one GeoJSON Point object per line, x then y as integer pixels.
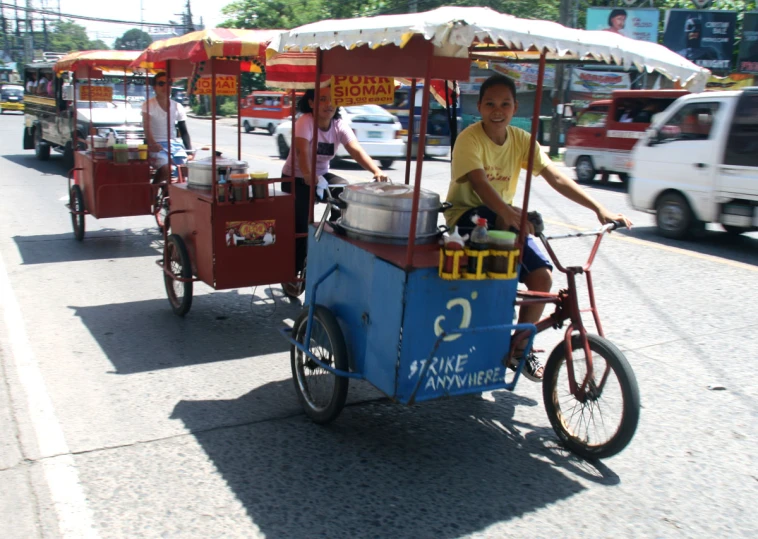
{"type": "Point", "coordinates": [225, 85]}
{"type": "Point", "coordinates": [95, 93]}
{"type": "Point", "coordinates": [356, 90]}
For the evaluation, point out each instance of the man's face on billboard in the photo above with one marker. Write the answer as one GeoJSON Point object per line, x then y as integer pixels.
{"type": "Point", "coordinates": [618, 22]}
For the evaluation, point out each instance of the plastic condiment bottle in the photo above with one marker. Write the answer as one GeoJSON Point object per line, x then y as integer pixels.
{"type": "Point", "coordinates": [453, 242]}
{"type": "Point", "coordinates": [478, 242]}
{"type": "Point", "coordinates": [221, 186]}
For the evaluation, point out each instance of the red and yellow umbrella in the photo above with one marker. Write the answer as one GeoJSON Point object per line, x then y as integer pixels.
{"type": "Point", "coordinates": [96, 60]}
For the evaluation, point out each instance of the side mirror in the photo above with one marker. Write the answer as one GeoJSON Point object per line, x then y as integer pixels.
{"type": "Point", "coordinates": [652, 137]}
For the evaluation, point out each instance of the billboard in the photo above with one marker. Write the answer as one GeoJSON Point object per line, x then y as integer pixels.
{"type": "Point", "coordinates": [748, 56]}
{"type": "Point", "coordinates": [587, 86]}
{"type": "Point", "coordinates": [703, 37]}
{"type": "Point", "coordinates": [639, 24]}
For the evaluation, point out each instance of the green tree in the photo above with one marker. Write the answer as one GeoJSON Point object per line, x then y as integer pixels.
{"type": "Point", "coordinates": [98, 45]}
{"type": "Point", "coordinates": [67, 36]}
{"type": "Point", "coordinates": [133, 40]}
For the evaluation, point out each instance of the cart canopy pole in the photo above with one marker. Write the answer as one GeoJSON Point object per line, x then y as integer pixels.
{"type": "Point", "coordinates": [419, 163]}
{"type": "Point", "coordinates": [239, 106]}
{"type": "Point", "coordinates": [411, 121]}
{"type": "Point", "coordinates": [170, 129]}
{"type": "Point", "coordinates": [214, 174]}
{"type": "Point", "coordinates": [91, 123]}
{"type": "Point", "coordinates": [530, 161]}
{"type": "Point", "coordinates": [314, 142]}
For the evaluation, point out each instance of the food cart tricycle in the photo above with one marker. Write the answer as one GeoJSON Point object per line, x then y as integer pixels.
{"type": "Point", "coordinates": [107, 181]}
{"type": "Point", "coordinates": [223, 227]}
{"type": "Point", "coordinates": [386, 308]}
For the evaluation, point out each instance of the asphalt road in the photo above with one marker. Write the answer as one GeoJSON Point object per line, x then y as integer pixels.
{"type": "Point", "coordinates": [118, 419]}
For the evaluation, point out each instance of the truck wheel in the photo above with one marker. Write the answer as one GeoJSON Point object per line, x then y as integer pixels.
{"type": "Point", "coordinates": [271, 128]}
{"type": "Point", "coordinates": [247, 126]}
{"type": "Point", "coordinates": [386, 163]}
{"type": "Point", "coordinates": [41, 148]}
{"type": "Point", "coordinates": [673, 216]}
{"type": "Point", "coordinates": [585, 170]}
{"type": "Point", "coordinates": [281, 145]}
{"type": "Point", "coordinates": [734, 230]}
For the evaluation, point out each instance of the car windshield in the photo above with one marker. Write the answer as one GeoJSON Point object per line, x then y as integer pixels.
{"type": "Point", "coordinates": [15, 92]}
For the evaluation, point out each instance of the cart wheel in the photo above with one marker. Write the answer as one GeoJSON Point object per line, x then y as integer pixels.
{"type": "Point", "coordinates": [76, 204]}
{"type": "Point", "coordinates": [321, 393]}
{"type": "Point", "coordinates": [179, 293]}
{"type": "Point", "coordinates": [161, 208]}
{"type": "Point", "coordinates": [602, 423]}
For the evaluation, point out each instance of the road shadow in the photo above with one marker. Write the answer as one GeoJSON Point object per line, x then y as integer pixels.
{"type": "Point", "coordinates": [54, 167]}
{"type": "Point", "coordinates": [101, 244]}
{"type": "Point", "coordinates": [145, 336]}
{"type": "Point", "coordinates": [717, 243]}
{"type": "Point", "coordinates": [614, 185]}
{"type": "Point", "coordinates": [440, 469]}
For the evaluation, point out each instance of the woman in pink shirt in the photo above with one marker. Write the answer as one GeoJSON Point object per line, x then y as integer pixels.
{"type": "Point", "coordinates": [332, 132]}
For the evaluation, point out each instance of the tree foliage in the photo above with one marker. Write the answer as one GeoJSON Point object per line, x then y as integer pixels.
{"type": "Point", "coordinates": [67, 36]}
{"type": "Point", "coordinates": [133, 40]}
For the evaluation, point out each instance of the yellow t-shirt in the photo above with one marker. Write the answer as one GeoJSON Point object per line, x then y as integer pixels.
{"type": "Point", "coordinates": [502, 164]}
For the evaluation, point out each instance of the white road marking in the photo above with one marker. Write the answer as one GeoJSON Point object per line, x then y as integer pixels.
{"type": "Point", "coordinates": [74, 516]}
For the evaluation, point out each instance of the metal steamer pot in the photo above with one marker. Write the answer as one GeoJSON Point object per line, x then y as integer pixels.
{"type": "Point", "coordinates": [381, 212]}
{"type": "Point", "coordinates": [201, 171]}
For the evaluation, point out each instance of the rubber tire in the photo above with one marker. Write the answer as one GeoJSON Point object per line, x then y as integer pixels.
{"type": "Point", "coordinates": [284, 149]}
{"type": "Point", "coordinates": [180, 307]}
{"type": "Point", "coordinates": [629, 389]}
{"type": "Point", "coordinates": [681, 229]}
{"type": "Point", "coordinates": [161, 198]}
{"type": "Point", "coordinates": [735, 230]}
{"type": "Point", "coordinates": [271, 128]}
{"type": "Point", "coordinates": [41, 149]}
{"type": "Point", "coordinates": [323, 316]}
{"type": "Point", "coordinates": [76, 203]}
{"type": "Point", "coordinates": [585, 170]}
{"type": "Point", "coordinates": [247, 127]}
{"type": "Point", "coordinates": [386, 163]}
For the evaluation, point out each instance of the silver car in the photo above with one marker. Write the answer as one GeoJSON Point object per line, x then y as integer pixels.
{"type": "Point", "coordinates": [377, 130]}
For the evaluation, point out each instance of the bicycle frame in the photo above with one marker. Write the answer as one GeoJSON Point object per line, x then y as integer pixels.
{"type": "Point", "coordinates": [566, 303]}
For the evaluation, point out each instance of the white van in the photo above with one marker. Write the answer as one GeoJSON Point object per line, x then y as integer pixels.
{"type": "Point", "coordinates": [698, 163]}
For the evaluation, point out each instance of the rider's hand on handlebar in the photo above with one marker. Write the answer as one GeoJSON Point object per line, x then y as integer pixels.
{"type": "Point", "coordinates": [605, 217]}
{"type": "Point", "coordinates": [512, 219]}
{"type": "Point", "coordinates": [379, 177]}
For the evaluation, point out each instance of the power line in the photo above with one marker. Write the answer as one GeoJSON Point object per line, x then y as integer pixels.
{"type": "Point", "coordinates": [4, 5]}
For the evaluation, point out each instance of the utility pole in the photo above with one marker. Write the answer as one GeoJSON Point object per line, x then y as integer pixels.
{"type": "Point", "coordinates": [29, 37]}
{"type": "Point", "coordinates": [564, 15]}
{"type": "Point", "coordinates": [412, 6]}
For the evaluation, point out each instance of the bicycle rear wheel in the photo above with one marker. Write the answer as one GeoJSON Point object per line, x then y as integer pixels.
{"type": "Point", "coordinates": [603, 422]}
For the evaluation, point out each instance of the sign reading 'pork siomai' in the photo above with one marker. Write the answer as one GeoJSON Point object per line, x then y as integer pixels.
{"type": "Point", "coordinates": [347, 91]}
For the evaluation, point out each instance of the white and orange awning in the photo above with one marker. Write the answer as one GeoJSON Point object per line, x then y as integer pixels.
{"type": "Point", "coordinates": [96, 60]}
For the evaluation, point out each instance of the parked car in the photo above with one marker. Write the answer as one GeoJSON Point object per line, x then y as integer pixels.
{"type": "Point", "coordinates": [378, 132]}
{"type": "Point", "coordinates": [698, 163]}
{"type": "Point", "coordinates": [11, 98]}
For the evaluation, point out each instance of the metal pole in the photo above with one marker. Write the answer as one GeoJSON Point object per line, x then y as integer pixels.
{"type": "Point", "coordinates": [419, 162]}
{"type": "Point", "coordinates": [532, 150]}
{"type": "Point", "coordinates": [314, 142]}
{"type": "Point", "coordinates": [411, 121]}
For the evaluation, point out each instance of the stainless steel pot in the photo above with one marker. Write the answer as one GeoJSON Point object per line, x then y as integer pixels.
{"type": "Point", "coordinates": [201, 171]}
{"type": "Point", "coordinates": [382, 212]}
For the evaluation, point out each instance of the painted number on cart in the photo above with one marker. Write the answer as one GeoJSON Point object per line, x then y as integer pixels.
{"type": "Point", "coordinates": [458, 304]}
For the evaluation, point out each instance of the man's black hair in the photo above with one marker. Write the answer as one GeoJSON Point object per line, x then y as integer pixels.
{"type": "Point", "coordinates": [616, 13]}
{"type": "Point", "coordinates": [305, 107]}
{"type": "Point", "coordinates": [497, 80]}
{"type": "Point", "coordinates": [154, 80]}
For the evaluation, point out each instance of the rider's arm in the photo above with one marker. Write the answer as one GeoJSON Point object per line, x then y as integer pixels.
{"type": "Point", "coordinates": [362, 158]}
{"type": "Point", "coordinates": [568, 188]}
{"type": "Point", "coordinates": [184, 132]}
{"type": "Point", "coordinates": [301, 154]}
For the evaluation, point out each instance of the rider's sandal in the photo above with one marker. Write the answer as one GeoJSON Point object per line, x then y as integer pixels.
{"type": "Point", "coordinates": [533, 368]}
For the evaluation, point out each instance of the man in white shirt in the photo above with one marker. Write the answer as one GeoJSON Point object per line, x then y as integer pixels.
{"type": "Point", "coordinates": [161, 138]}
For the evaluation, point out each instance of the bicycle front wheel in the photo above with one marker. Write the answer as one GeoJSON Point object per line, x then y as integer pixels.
{"type": "Point", "coordinates": [601, 422]}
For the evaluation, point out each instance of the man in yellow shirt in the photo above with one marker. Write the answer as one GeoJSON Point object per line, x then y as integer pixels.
{"type": "Point", "coordinates": [487, 160]}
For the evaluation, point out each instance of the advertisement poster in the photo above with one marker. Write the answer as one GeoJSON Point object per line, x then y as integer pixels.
{"type": "Point", "coordinates": [735, 81]}
{"type": "Point", "coordinates": [355, 90]}
{"type": "Point", "coordinates": [225, 85]}
{"type": "Point", "coordinates": [95, 93]}
{"type": "Point", "coordinates": [748, 56]}
{"type": "Point", "coordinates": [523, 74]}
{"type": "Point", "coordinates": [587, 86]}
{"type": "Point", "coordinates": [703, 37]}
{"type": "Point", "coordinates": [251, 233]}
{"type": "Point", "coordinates": [639, 24]}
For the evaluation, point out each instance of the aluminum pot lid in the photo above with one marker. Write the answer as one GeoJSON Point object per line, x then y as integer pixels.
{"type": "Point", "coordinates": [221, 162]}
{"type": "Point", "coordinates": [389, 195]}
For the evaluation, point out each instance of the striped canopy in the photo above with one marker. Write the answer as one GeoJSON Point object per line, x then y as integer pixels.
{"type": "Point", "coordinates": [211, 43]}
{"type": "Point", "coordinates": [96, 60]}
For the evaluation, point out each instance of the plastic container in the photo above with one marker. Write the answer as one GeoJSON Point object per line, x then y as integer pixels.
{"type": "Point", "coordinates": [238, 189]}
{"type": "Point", "coordinates": [120, 153]}
{"type": "Point", "coordinates": [222, 186]}
{"type": "Point", "coordinates": [477, 248]}
{"type": "Point", "coordinates": [500, 243]}
{"type": "Point", "coordinates": [260, 188]}
{"type": "Point", "coordinates": [453, 255]}
{"type": "Point", "coordinates": [142, 151]}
